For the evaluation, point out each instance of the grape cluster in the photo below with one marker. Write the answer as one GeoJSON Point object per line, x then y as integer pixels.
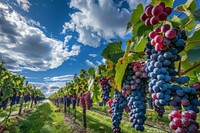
{"type": "Point", "coordinates": [134, 88]}
{"type": "Point", "coordinates": [106, 88]}
{"type": "Point", "coordinates": [185, 96]}
{"type": "Point", "coordinates": [160, 110]}
{"type": "Point", "coordinates": [85, 99]}
{"type": "Point", "coordinates": [196, 85]}
{"type": "Point", "coordinates": [154, 14]}
{"type": "Point", "coordinates": [118, 104]}
{"type": "Point", "coordinates": [166, 37]}
{"type": "Point", "coordinates": [4, 103]}
{"type": "Point", "coordinates": [68, 101]}
{"type": "Point", "coordinates": [184, 122]}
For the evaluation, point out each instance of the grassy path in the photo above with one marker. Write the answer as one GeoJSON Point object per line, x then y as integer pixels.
{"type": "Point", "coordinates": [43, 120]}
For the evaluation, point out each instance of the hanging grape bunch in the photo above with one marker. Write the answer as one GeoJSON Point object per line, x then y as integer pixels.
{"type": "Point", "coordinates": [134, 88]}
{"type": "Point", "coordinates": [154, 14]}
{"type": "Point", "coordinates": [117, 106]}
{"type": "Point", "coordinates": [85, 100]}
{"type": "Point", "coordinates": [106, 88]}
{"type": "Point", "coordinates": [165, 44]}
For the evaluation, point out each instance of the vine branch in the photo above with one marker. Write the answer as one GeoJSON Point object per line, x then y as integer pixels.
{"type": "Point", "coordinates": [193, 42]}
{"type": "Point", "coordinates": [191, 68]}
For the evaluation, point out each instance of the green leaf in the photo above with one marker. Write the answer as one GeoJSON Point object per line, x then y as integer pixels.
{"type": "Point", "coordinates": [186, 65]}
{"type": "Point", "coordinates": [112, 49]}
{"type": "Point", "coordinates": [193, 40]}
{"type": "Point", "coordinates": [168, 3]}
{"type": "Point", "coordinates": [140, 29]}
{"type": "Point", "coordinates": [176, 21]}
{"type": "Point", "coordinates": [187, 7]}
{"type": "Point", "coordinates": [140, 44]}
{"type": "Point", "coordinates": [188, 23]}
{"type": "Point", "coordinates": [114, 58]}
{"type": "Point", "coordinates": [191, 5]}
{"type": "Point", "coordinates": [194, 55]}
{"type": "Point", "coordinates": [136, 14]}
{"type": "Point", "coordinates": [91, 71]}
{"type": "Point", "coordinates": [196, 15]}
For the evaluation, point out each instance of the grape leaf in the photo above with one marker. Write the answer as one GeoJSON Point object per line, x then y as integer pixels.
{"type": "Point", "coordinates": [190, 5]}
{"type": "Point", "coordinates": [112, 49]}
{"type": "Point", "coordinates": [140, 44]}
{"type": "Point", "coordinates": [188, 22]}
{"type": "Point", "coordinates": [193, 40]}
{"type": "Point", "coordinates": [136, 14]}
{"type": "Point", "coordinates": [91, 71]}
{"type": "Point", "coordinates": [186, 65]}
{"type": "Point", "coordinates": [168, 3]}
{"type": "Point", "coordinates": [196, 14]}
{"type": "Point", "coordinates": [114, 58]}
{"type": "Point", "coordinates": [176, 21]}
{"type": "Point", "coordinates": [194, 55]}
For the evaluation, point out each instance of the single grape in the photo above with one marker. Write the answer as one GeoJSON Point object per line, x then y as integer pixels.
{"type": "Point", "coordinates": [170, 34]}
{"type": "Point", "coordinates": [157, 10]}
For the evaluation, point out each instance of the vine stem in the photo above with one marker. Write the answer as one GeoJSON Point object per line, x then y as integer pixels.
{"type": "Point", "coordinates": [191, 68]}
{"type": "Point", "coordinates": [179, 68]}
{"type": "Point", "coordinates": [193, 42]}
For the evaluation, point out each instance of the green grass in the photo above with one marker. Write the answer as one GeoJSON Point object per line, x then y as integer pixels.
{"type": "Point", "coordinates": [99, 123]}
{"type": "Point", "coordinates": [43, 120]}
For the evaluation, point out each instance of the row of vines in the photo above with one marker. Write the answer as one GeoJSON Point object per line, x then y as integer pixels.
{"type": "Point", "coordinates": [161, 65]}
{"type": "Point", "coordinates": [15, 92]}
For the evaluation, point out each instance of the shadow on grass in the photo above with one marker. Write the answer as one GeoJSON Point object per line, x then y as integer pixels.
{"type": "Point", "coordinates": [93, 125]}
{"type": "Point", "coordinates": [35, 121]}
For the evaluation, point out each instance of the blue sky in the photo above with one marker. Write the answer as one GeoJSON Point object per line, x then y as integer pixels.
{"type": "Point", "coordinates": [48, 41]}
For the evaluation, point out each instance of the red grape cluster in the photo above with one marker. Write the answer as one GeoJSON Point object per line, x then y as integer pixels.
{"type": "Point", "coordinates": [85, 99]}
{"type": "Point", "coordinates": [154, 14]}
{"type": "Point", "coordinates": [183, 122]}
{"type": "Point", "coordinates": [161, 37]}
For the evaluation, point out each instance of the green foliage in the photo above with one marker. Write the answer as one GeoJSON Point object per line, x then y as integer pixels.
{"type": "Point", "coordinates": [168, 3]}
{"type": "Point", "coordinates": [139, 44]}
{"type": "Point", "coordinates": [196, 14]}
{"type": "Point", "coordinates": [194, 54]}
{"type": "Point", "coordinates": [113, 51]}
{"type": "Point", "coordinates": [190, 5]}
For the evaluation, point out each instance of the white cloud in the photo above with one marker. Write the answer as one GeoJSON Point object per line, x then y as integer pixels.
{"type": "Point", "coordinates": [24, 4]}
{"type": "Point", "coordinates": [96, 20]}
{"type": "Point", "coordinates": [133, 3]}
{"type": "Point", "coordinates": [48, 88]}
{"type": "Point", "coordinates": [89, 63]}
{"type": "Point", "coordinates": [60, 78]}
{"type": "Point", "coordinates": [104, 61]}
{"type": "Point", "coordinates": [24, 46]}
{"type": "Point", "coordinates": [67, 38]}
{"type": "Point", "coordinates": [93, 55]}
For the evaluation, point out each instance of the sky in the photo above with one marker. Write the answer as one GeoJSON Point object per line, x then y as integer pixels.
{"type": "Point", "coordinates": [48, 41]}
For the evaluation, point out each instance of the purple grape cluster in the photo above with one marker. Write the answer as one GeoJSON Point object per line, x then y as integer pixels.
{"type": "Point", "coordinates": [187, 97]}
{"type": "Point", "coordinates": [134, 88]}
{"type": "Point", "coordinates": [106, 89]}
{"type": "Point", "coordinates": [117, 107]}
